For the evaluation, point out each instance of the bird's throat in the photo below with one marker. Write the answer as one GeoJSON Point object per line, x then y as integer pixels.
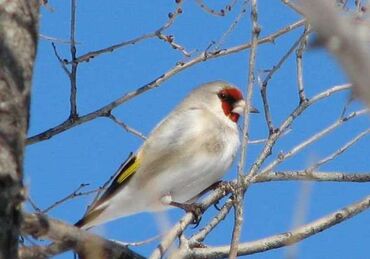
{"type": "Point", "coordinates": [234, 117]}
{"type": "Point", "coordinates": [227, 108]}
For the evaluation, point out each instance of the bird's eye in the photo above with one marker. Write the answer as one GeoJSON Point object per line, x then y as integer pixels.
{"type": "Point", "coordinates": [222, 96]}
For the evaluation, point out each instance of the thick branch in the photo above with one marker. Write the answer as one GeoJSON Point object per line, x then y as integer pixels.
{"type": "Point", "coordinates": [68, 237]}
{"type": "Point", "coordinates": [18, 40]}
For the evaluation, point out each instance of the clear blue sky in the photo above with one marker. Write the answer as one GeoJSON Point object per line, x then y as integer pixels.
{"type": "Point", "coordinates": [91, 152]}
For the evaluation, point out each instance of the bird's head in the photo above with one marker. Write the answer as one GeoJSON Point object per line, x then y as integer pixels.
{"type": "Point", "coordinates": [224, 98]}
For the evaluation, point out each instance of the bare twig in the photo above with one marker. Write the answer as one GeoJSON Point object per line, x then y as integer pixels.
{"type": "Point", "coordinates": [233, 25]}
{"type": "Point", "coordinates": [93, 54]}
{"type": "Point", "coordinates": [340, 150]}
{"type": "Point", "coordinates": [33, 204]}
{"type": "Point", "coordinates": [139, 243]}
{"type": "Point", "coordinates": [68, 124]}
{"type": "Point", "coordinates": [287, 238]}
{"type": "Point", "coordinates": [269, 76]}
{"type": "Point", "coordinates": [201, 235]}
{"type": "Point", "coordinates": [308, 175]}
{"type": "Point", "coordinates": [288, 121]}
{"type": "Point", "coordinates": [54, 39]}
{"type": "Point", "coordinates": [299, 55]}
{"type": "Point", "coordinates": [283, 156]}
{"type": "Point", "coordinates": [73, 75]}
{"type": "Point", "coordinates": [74, 194]}
{"type": "Point", "coordinates": [221, 12]}
{"type": "Point", "coordinates": [61, 61]}
{"type": "Point", "coordinates": [240, 189]}
{"type": "Point", "coordinates": [126, 127]}
{"type": "Point", "coordinates": [180, 226]}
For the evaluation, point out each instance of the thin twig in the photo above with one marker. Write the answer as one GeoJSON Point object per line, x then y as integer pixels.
{"type": "Point", "coordinates": [180, 226]}
{"type": "Point", "coordinates": [201, 235]}
{"type": "Point", "coordinates": [93, 54]}
{"type": "Point", "coordinates": [126, 127]}
{"type": "Point", "coordinates": [267, 150]}
{"type": "Point", "coordinates": [299, 56]}
{"type": "Point", "coordinates": [232, 27]}
{"type": "Point", "coordinates": [224, 11]}
{"type": "Point", "coordinates": [340, 150]}
{"type": "Point", "coordinates": [287, 238]}
{"type": "Point", "coordinates": [138, 243]}
{"type": "Point", "coordinates": [74, 194]}
{"type": "Point", "coordinates": [308, 175]}
{"type": "Point", "coordinates": [263, 89]}
{"type": "Point", "coordinates": [33, 204]}
{"type": "Point", "coordinates": [61, 61]}
{"type": "Point", "coordinates": [54, 39]}
{"type": "Point", "coordinates": [284, 156]}
{"type": "Point", "coordinates": [68, 124]}
{"type": "Point", "coordinates": [240, 189]}
{"type": "Point", "coordinates": [73, 75]}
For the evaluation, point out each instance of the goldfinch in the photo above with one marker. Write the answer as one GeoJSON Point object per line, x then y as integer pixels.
{"type": "Point", "coordinates": [186, 153]}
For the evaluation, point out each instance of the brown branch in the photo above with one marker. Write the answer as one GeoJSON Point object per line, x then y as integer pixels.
{"type": "Point", "coordinates": [340, 151]}
{"type": "Point", "coordinates": [299, 56]}
{"type": "Point", "coordinates": [18, 42]}
{"type": "Point", "coordinates": [263, 90]}
{"type": "Point", "coordinates": [284, 156]}
{"type": "Point", "coordinates": [126, 127]}
{"type": "Point", "coordinates": [240, 188]}
{"type": "Point", "coordinates": [267, 150]}
{"type": "Point", "coordinates": [74, 194]}
{"type": "Point", "coordinates": [54, 39]}
{"type": "Point", "coordinates": [181, 225]}
{"type": "Point", "coordinates": [217, 45]}
{"type": "Point", "coordinates": [68, 237]}
{"type": "Point", "coordinates": [103, 111]}
{"type": "Point", "coordinates": [307, 175]}
{"type": "Point", "coordinates": [201, 235]}
{"type": "Point", "coordinates": [223, 12]}
{"type": "Point", "coordinates": [93, 54]}
{"type": "Point", "coordinates": [73, 75]}
{"type": "Point", "coordinates": [287, 238]}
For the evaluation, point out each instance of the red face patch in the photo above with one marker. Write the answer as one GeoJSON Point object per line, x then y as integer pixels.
{"type": "Point", "coordinates": [229, 97]}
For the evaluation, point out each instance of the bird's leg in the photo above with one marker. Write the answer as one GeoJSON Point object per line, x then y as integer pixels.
{"type": "Point", "coordinates": [194, 208]}
{"type": "Point", "coordinates": [212, 187]}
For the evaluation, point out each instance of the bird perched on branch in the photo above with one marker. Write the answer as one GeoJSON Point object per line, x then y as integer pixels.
{"type": "Point", "coordinates": [185, 154]}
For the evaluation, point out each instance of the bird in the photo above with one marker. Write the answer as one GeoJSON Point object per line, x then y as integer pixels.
{"type": "Point", "coordinates": [186, 153]}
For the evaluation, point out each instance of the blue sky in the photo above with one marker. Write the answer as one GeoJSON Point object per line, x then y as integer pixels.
{"type": "Point", "coordinates": [91, 152]}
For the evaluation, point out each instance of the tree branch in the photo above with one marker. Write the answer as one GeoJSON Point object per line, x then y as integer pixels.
{"type": "Point", "coordinates": [68, 237]}
{"type": "Point", "coordinates": [103, 111]}
{"type": "Point", "coordinates": [287, 238]}
{"type": "Point", "coordinates": [18, 42]}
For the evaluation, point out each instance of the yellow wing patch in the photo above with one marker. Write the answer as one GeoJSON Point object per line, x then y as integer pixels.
{"type": "Point", "coordinates": [127, 172]}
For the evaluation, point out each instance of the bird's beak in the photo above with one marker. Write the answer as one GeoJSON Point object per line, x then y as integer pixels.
{"type": "Point", "coordinates": [240, 106]}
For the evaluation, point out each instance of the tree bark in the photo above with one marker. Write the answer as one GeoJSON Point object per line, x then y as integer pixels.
{"type": "Point", "coordinates": [18, 41]}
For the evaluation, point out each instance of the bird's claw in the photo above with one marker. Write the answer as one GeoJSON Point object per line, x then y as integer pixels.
{"type": "Point", "coordinates": [195, 208]}
{"type": "Point", "coordinates": [216, 205]}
